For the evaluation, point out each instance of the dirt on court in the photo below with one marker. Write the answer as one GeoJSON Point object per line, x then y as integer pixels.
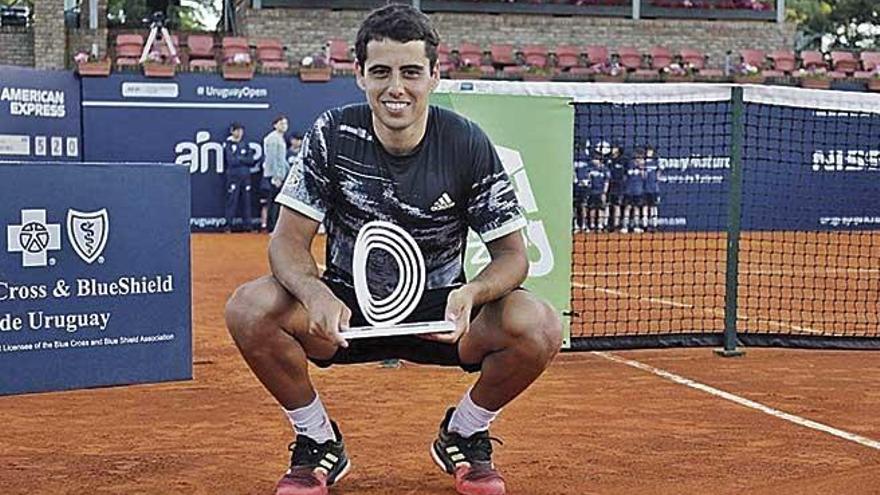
{"type": "Point", "coordinates": [589, 425]}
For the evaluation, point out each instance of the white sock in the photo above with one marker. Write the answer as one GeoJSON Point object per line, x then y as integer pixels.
{"type": "Point", "coordinates": [469, 418]}
{"type": "Point", "coordinates": [312, 421]}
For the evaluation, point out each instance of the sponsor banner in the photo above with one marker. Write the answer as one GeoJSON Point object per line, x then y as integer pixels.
{"type": "Point", "coordinates": [808, 169]}
{"type": "Point", "coordinates": [94, 276]}
{"type": "Point", "coordinates": [127, 117]}
{"type": "Point", "coordinates": [803, 169]}
{"type": "Point", "coordinates": [537, 158]}
{"type": "Point", "coordinates": [39, 115]}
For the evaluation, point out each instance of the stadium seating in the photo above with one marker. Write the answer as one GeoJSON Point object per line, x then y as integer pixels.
{"type": "Point", "coordinates": [234, 45]}
{"type": "Point", "coordinates": [844, 62]}
{"type": "Point", "coordinates": [341, 55]}
{"type": "Point", "coordinates": [162, 47]}
{"type": "Point", "coordinates": [870, 65]}
{"type": "Point", "coordinates": [270, 54]}
{"type": "Point", "coordinates": [535, 55]}
{"type": "Point", "coordinates": [630, 58]}
{"type": "Point", "coordinates": [784, 63]}
{"type": "Point", "coordinates": [660, 57]}
{"type": "Point", "coordinates": [698, 61]}
{"type": "Point", "coordinates": [470, 54]}
{"type": "Point", "coordinates": [755, 58]}
{"type": "Point", "coordinates": [502, 55]}
{"type": "Point", "coordinates": [813, 60]}
{"type": "Point", "coordinates": [596, 54]}
{"type": "Point", "coordinates": [567, 57]}
{"type": "Point", "coordinates": [128, 50]}
{"type": "Point", "coordinates": [201, 52]}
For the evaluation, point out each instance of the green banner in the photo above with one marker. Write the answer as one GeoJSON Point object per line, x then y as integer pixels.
{"type": "Point", "coordinates": [533, 136]}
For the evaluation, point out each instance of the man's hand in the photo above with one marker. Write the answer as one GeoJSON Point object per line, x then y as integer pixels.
{"type": "Point", "coordinates": [328, 317]}
{"type": "Point", "coordinates": [459, 304]}
{"type": "Point", "coordinates": [276, 182]}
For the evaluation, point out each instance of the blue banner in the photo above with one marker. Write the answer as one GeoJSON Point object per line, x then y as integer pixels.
{"type": "Point", "coordinates": [94, 275]}
{"type": "Point", "coordinates": [39, 115]}
{"type": "Point", "coordinates": [128, 117]}
{"type": "Point", "coordinates": [803, 169]}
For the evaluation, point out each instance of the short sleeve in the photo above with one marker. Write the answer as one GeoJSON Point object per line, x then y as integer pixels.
{"type": "Point", "coordinates": [306, 188]}
{"type": "Point", "coordinates": [493, 210]}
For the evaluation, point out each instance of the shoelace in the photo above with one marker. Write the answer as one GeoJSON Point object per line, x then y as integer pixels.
{"type": "Point", "coordinates": [478, 448]}
{"type": "Point", "coordinates": [304, 452]}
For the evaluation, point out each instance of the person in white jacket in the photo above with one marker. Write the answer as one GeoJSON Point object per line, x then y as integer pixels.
{"type": "Point", "coordinates": [275, 167]}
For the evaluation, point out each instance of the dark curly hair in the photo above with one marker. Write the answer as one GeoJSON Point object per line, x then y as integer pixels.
{"type": "Point", "coordinates": [398, 22]}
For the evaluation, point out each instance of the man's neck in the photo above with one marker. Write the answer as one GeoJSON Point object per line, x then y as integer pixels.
{"type": "Point", "coordinates": [401, 142]}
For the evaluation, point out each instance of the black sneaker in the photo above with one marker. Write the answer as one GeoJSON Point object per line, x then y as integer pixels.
{"type": "Point", "coordinates": [468, 459]}
{"type": "Point", "coordinates": [314, 466]}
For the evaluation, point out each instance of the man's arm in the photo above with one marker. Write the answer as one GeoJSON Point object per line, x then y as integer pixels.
{"type": "Point", "coordinates": [507, 271]}
{"type": "Point", "coordinates": [295, 269]}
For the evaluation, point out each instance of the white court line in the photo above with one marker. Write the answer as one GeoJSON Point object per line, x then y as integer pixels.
{"type": "Point", "coordinates": [710, 311]}
{"type": "Point", "coordinates": [808, 423]}
{"type": "Point", "coordinates": [818, 271]}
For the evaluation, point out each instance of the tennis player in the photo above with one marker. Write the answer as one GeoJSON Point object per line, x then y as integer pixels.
{"type": "Point", "coordinates": [432, 174]}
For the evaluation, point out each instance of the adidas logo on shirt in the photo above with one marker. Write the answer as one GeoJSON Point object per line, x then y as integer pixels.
{"type": "Point", "coordinates": [444, 202]}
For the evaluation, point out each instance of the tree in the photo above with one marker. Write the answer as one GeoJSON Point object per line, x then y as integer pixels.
{"type": "Point", "coordinates": [190, 15]}
{"type": "Point", "coordinates": [837, 24]}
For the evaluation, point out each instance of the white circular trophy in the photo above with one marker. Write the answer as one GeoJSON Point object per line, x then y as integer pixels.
{"type": "Point", "coordinates": [386, 314]}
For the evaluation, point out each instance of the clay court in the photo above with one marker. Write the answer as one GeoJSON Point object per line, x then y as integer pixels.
{"type": "Point", "coordinates": [594, 423]}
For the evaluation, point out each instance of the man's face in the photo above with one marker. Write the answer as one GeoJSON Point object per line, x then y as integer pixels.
{"type": "Point", "coordinates": [281, 126]}
{"type": "Point", "coordinates": [398, 81]}
{"type": "Point", "coordinates": [237, 134]}
{"type": "Point", "coordinates": [296, 144]}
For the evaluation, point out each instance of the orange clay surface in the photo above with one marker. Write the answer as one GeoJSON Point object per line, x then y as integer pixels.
{"type": "Point", "coordinates": [589, 425]}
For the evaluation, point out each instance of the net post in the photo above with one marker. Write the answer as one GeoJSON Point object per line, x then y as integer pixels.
{"type": "Point", "coordinates": [734, 209]}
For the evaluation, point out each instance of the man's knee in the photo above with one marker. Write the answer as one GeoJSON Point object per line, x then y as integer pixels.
{"type": "Point", "coordinates": [248, 317]}
{"type": "Point", "coordinates": [535, 323]}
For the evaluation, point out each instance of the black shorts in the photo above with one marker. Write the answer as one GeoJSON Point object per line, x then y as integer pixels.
{"type": "Point", "coordinates": [267, 191]}
{"type": "Point", "coordinates": [408, 347]}
{"type": "Point", "coordinates": [580, 196]}
{"type": "Point", "coordinates": [595, 201]}
{"type": "Point", "coordinates": [652, 199]}
{"type": "Point", "coordinates": [615, 199]}
{"type": "Point", "coordinates": [634, 200]}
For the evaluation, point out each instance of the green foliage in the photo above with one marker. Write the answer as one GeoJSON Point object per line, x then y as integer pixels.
{"type": "Point", "coordinates": [188, 15]}
{"type": "Point", "coordinates": [847, 24]}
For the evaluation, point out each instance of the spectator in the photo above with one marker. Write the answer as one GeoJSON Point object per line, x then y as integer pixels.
{"type": "Point", "coordinates": [275, 169]}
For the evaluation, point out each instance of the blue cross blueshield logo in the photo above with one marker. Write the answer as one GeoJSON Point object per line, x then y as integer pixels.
{"type": "Point", "coordinates": [87, 232]}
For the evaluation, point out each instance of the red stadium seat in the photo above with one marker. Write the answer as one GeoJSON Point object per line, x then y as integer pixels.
{"type": "Point", "coordinates": [813, 60]}
{"type": "Point", "coordinates": [201, 51]}
{"type": "Point", "coordinates": [698, 60]}
{"type": "Point", "coordinates": [270, 54]}
{"type": "Point", "coordinates": [845, 62]}
{"type": "Point", "coordinates": [340, 51]}
{"type": "Point", "coordinates": [471, 54]}
{"type": "Point", "coordinates": [234, 45]}
{"type": "Point", "coordinates": [870, 63]}
{"type": "Point", "coordinates": [567, 57]}
{"type": "Point", "coordinates": [630, 58]}
{"type": "Point", "coordinates": [596, 54]}
{"type": "Point", "coordinates": [341, 55]}
{"type": "Point", "coordinates": [784, 62]}
{"type": "Point", "coordinates": [752, 57]}
{"type": "Point", "coordinates": [660, 57]}
{"type": "Point", "coordinates": [502, 55]}
{"type": "Point", "coordinates": [535, 55]}
{"type": "Point", "coordinates": [128, 49]}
